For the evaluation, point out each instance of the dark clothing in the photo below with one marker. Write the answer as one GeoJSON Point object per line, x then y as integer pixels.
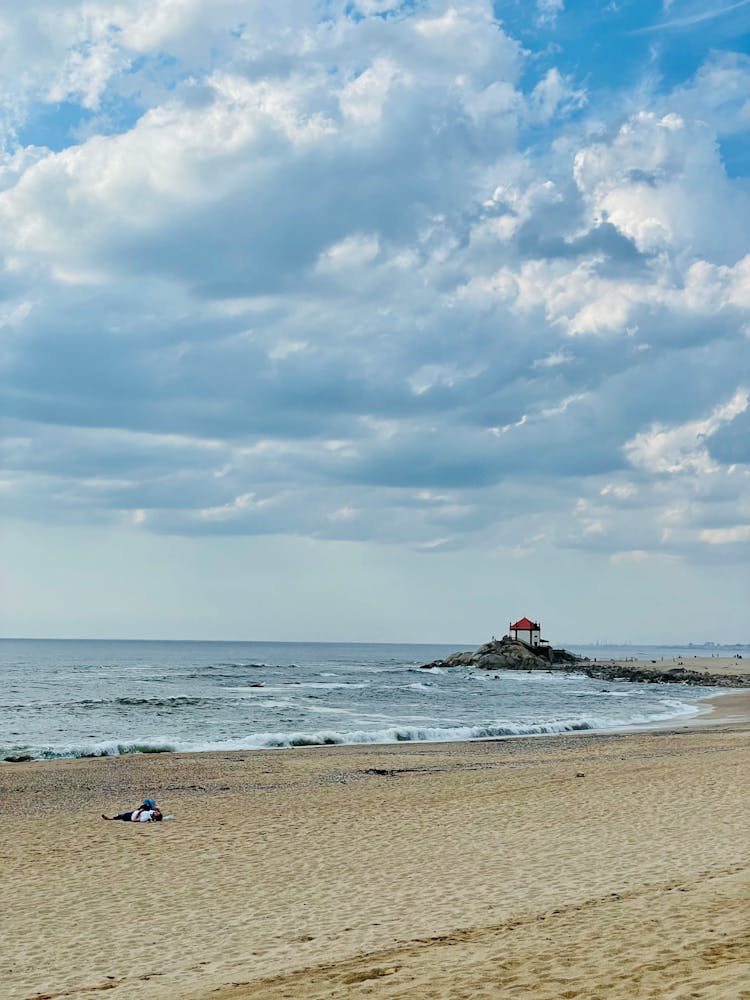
{"type": "Point", "coordinates": [140, 815]}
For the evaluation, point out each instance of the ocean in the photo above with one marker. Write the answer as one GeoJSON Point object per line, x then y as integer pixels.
{"type": "Point", "coordinates": [77, 698]}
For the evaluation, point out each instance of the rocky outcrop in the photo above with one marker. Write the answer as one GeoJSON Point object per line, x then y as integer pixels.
{"type": "Point", "coordinates": [650, 675]}
{"type": "Point", "coordinates": [505, 654]}
{"type": "Point", "coordinates": [511, 654]}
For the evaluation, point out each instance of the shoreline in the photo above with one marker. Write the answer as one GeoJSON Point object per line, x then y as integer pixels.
{"type": "Point", "coordinates": [725, 705]}
{"type": "Point", "coordinates": [725, 708]}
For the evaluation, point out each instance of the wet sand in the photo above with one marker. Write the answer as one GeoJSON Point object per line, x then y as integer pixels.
{"type": "Point", "coordinates": [609, 865]}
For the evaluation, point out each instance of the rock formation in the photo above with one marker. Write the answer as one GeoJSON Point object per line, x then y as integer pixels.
{"type": "Point", "coordinates": [508, 654]}
{"type": "Point", "coordinates": [512, 654]}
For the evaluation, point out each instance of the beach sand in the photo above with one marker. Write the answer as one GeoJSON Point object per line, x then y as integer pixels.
{"type": "Point", "coordinates": [610, 866]}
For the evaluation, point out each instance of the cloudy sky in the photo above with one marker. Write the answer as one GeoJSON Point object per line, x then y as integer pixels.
{"type": "Point", "coordinates": [375, 319]}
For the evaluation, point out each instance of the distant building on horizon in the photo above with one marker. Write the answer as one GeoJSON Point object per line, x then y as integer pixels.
{"type": "Point", "coordinates": [527, 631]}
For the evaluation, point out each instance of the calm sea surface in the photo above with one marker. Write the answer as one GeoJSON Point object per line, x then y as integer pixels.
{"type": "Point", "coordinates": [70, 698]}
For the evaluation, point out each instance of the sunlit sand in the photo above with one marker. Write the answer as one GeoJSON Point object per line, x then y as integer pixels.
{"type": "Point", "coordinates": [570, 866]}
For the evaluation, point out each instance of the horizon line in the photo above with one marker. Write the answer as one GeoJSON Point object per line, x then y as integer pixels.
{"type": "Point", "coordinates": [369, 642]}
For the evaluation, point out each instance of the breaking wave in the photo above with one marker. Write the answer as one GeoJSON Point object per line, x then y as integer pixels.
{"type": "Point", "coordinates": [328, 737]}
{"type": "Point", "coordinates": [94, 750]}
{"type": "Point", "coordinates": [413, 734]}
{"type": "Point", "coordinates": [282, 740]}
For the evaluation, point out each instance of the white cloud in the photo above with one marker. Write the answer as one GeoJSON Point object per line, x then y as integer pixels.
{"type": "Point", "coordinates": [561, 357]}
{"type": "Point", "coordinates": [555, 94]}
{"type": "Point", "coordinates": [240, 504]}
{"type": "Point", "coordinates": [286, 348]}
{"type": "Point", "coordinates": [726, 536]}
{"type": "Point", "coordinates": [369, 7]}
{"type": "Point", "coordinates": [718, 93]}
{"type": "Point", "coordinates": [329, 248]}
{"type": "Point", "coordinates": [575, 297]}
{"type": "Point", "coordinates": [699, 17]}
{"type": "Point", "coordinates": [682, 449]}
{"type": "Point", "coordinates": [549, 10]}
{"type": "Point", "coordinates": [430, 376]}
{"type": "Point", "coordinates": [351, 252]}
{"type": "Point", "coordinates": [362, 99]}
{"type": "Point", "coordinates": [619, 491]}
{"type": "Point", "coordinates": [343, 514]}
{"type": "Point", "coordinates": [661, 182]}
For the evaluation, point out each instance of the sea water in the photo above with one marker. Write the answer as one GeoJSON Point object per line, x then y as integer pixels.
{"type": "Point", "coordinates": [71, 698]}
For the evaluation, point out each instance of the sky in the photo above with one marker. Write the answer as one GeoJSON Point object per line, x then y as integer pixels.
{"type": "Point", "coordinates": [378, 320]}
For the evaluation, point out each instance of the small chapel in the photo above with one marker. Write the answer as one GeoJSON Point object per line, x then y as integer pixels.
{"type": "Point", "coordinates": [527, 631]}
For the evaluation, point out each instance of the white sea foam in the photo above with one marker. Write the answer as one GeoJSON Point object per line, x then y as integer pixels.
{"type": "Point", "coordinates": [330, 686]}
{"type": "Point", "coordinates": [291, 686]}
{"type": "Point", "coordinates": [325, 698]}
{"type": "Point", "coordinates": [329, 710]}
{"type": "Point", "coordinates": [395, 733]}
{"type": "Point", "coordinates": [402, 734]}
{"type": "Point", "coordinates": [114, 748]}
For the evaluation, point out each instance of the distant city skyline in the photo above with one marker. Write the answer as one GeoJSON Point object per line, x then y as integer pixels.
{"type": "Point", "coordinates": [375, 320]}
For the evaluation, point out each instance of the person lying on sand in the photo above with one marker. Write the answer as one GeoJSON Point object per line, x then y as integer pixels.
{"type": "Point", "coordinates": [148, 812]}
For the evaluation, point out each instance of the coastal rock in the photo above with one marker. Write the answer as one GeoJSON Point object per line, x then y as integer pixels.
{"type": "Point", "coordinates": [460, 659]}
{"type": "Point", "coordinates": [515, 657]}
{"type": "Point", "coordinates": [648, 675]}
{"type": "Point", "coordinates": [512, 654]}
{"type": "Point", "coordinates": [18, 758]}
{"type": "Point", "coordinates": [500, 654]}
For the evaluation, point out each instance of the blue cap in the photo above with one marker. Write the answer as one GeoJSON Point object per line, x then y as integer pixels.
{"type": "Point", "coordinates": [149, 804]}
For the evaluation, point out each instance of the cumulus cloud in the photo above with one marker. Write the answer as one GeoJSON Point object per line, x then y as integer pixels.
{"type": "Point", "coordinates": [554, 95]}
{"type": "Point", "coordinates": [718, 93]}
{"type": "Point", "coordinates": [548, 10]}
{"type": "Point", "coordinates": [683, 448]}
{"type": "Point", "coordinates": [660, 182]}
{"type": "Point", "coordinates": [367, 276]}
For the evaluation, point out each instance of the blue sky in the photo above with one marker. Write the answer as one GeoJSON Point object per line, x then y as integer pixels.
{"type": "Point", "coordinates": [375, 320]}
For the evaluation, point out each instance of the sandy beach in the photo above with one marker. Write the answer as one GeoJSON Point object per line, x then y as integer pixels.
{"type": "Point", "coordinates": [609, 865]}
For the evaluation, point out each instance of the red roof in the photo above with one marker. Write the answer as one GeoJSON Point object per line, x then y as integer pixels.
{"type": "Point", "coordinates": [524, 623]}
